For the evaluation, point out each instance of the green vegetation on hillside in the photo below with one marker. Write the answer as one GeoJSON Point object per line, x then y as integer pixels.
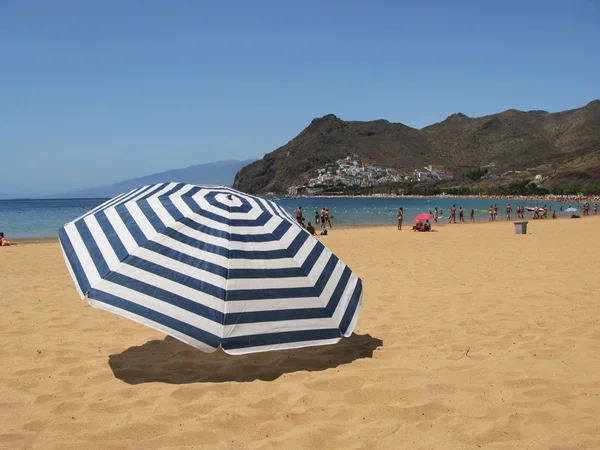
{"type": "Point", "coordinates": [524, 188]}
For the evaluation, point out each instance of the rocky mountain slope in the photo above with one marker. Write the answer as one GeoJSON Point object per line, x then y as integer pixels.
{"type": "Point", "coordinates": [512, 140]}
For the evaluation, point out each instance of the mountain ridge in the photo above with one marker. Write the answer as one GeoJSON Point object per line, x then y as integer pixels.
{"type": "Point", "coordinates": [213, 173]}
{"type": "Point", "coordinates": [509, 140]}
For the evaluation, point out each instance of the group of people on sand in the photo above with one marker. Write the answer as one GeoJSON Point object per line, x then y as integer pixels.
{"type": "Point", "coordinates": [452, 216]}
{"type": "Point", "coordinates": [539, 212]}
{"type": "Point", "coordinates": [586, 209]}
{"type": "Point", "coordinates": [422, 226]}
{"type": "Point", "coordinates": [3, 241]}
{"type": "Point", "coordinates": [436, 214]}
{"type": "Point", "coordinates": [419, 226]}
{"type": "Point", "coordinates": [493, 212]}
{"type": "Point", "coordinates": [321, 217]}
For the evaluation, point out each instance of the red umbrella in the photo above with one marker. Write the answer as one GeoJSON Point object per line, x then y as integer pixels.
{"type": "Point", "coordinates": [423, 216]}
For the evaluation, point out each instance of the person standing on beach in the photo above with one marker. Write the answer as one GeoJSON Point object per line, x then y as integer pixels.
{"type": "Point", "coordinates": [328, 218]}
{"type": "Point", "coordinates": [323, 217]}
{"type": "Point", "coordinates": [472, 216]}
{"type": "Point", "coordinates": [316, 217]}
{"type": "Point", "coordinates": [495, 212]}
{"type": "Point", "coordinates": [491, 213]}
{"type": "Point", "coordinates": [595, 208]}
{"type": "Point", "coordinates": [461, 214]}
{"type": "Point", "coordinates": [435, 214]}
{"type": "Point", "coordinates": [400, 216]}
{"type": "Point", "coordinates": [299, 217]}
{"type": "Point", "coordinates": [508, 211]}
{"type": "Point", "coordinates": [452, 214]}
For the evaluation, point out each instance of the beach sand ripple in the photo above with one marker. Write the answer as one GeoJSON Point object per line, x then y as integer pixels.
{"type": "Point", "coordinates": [472, 337]}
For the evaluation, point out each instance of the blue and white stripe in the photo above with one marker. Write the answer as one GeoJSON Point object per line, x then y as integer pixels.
{"type": "Point", "coordinates": [213, 267]}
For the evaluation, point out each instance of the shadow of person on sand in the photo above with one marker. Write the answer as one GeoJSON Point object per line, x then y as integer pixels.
{"type": "Point", "coordinates": [172, 361]}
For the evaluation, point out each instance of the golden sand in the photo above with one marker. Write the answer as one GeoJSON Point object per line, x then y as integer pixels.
{"type": "Point", "coordinates": [470, 337]}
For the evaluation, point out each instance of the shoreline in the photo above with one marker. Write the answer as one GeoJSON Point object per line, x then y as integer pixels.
{"type": "Point", "coordinates": [33, 240]}
{"type": "Point", "coordinates": [406, 225]}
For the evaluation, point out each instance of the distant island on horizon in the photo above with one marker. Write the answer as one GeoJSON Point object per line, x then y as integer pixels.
{"type": "Point", "coordinates": [213, 173]}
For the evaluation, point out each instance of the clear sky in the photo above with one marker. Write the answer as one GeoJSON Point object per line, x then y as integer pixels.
{"type": "Point", "coordinates": [97, 92]}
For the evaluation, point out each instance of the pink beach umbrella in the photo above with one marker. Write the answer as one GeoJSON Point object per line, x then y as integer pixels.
{"type": "Point", "coordinates": [423, 216]}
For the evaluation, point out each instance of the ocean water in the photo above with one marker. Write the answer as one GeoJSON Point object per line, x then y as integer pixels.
{"type": "Point", "coordinates": [43, 218]}
{"type": "Point", "coordinates": [382, 210]}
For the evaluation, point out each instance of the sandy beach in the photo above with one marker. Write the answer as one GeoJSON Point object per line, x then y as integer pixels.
{"type": "Point", "coordinates": [471, 337]}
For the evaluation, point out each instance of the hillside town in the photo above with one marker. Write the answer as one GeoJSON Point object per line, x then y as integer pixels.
{"type": "Point", "coordinates": [355, 171]}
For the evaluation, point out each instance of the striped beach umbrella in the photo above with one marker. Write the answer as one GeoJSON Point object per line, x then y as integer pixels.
{"type": "Point", "coordinates": [212, 267]}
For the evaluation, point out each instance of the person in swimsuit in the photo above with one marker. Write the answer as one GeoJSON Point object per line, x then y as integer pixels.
{"type": "Point", "coordinates": [452, 214]}
{"type": "Point", "coordinates": [491, 213]}
{"type": "Point", "coordinates": [3, 241]}
{"type": "Point", "coordinates": [435, 214]}
{"type": "Point", "coordinates": [472, 216]}
{"type": "Point", "coordinates": [323, 217]}
{"type": "Point", "coordinates": [419, 226]}
{"type": "Point", "coordinates": [311, 229]}
{"type": "Point", "coordinates": [400, 216]}
{"type": "Point", "coordinates": [595, 208]}
{"type": "Point", "coordinates": [328, 218]}
{"type": "Point", "coordinates": [461, 214]}
{"type": "Point", "coordinates": [316, 217]}
{"type": "Point", "coordinates": [508, 211]}
{"type": "Point", "coordinates": [299, 217]}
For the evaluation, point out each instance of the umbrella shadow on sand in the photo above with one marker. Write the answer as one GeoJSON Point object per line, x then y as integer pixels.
{"type": "Point", "coordinates": [172, 361]}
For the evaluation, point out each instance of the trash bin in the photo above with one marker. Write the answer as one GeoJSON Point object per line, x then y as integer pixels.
{"type": "Point", "coordinates": [520, 227]}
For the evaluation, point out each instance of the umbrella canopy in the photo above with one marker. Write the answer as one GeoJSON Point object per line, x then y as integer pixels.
{"type": "Point", "coordinates": [212, 267]}
{"type": "Point", "coordinates": [571, 209]}
{"type": "Point", "coordinates": [423, 216]}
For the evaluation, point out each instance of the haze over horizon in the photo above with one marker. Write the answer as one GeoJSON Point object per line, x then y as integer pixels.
{"type": "Point", "coordinates": [99, 93]}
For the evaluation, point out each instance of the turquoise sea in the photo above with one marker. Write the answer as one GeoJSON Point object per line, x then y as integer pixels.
{"type": "Point", "coordinates": [43, 218]}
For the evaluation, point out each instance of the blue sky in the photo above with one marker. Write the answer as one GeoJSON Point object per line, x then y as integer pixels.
{"type": "Point", "coordinates": [97, 92]}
